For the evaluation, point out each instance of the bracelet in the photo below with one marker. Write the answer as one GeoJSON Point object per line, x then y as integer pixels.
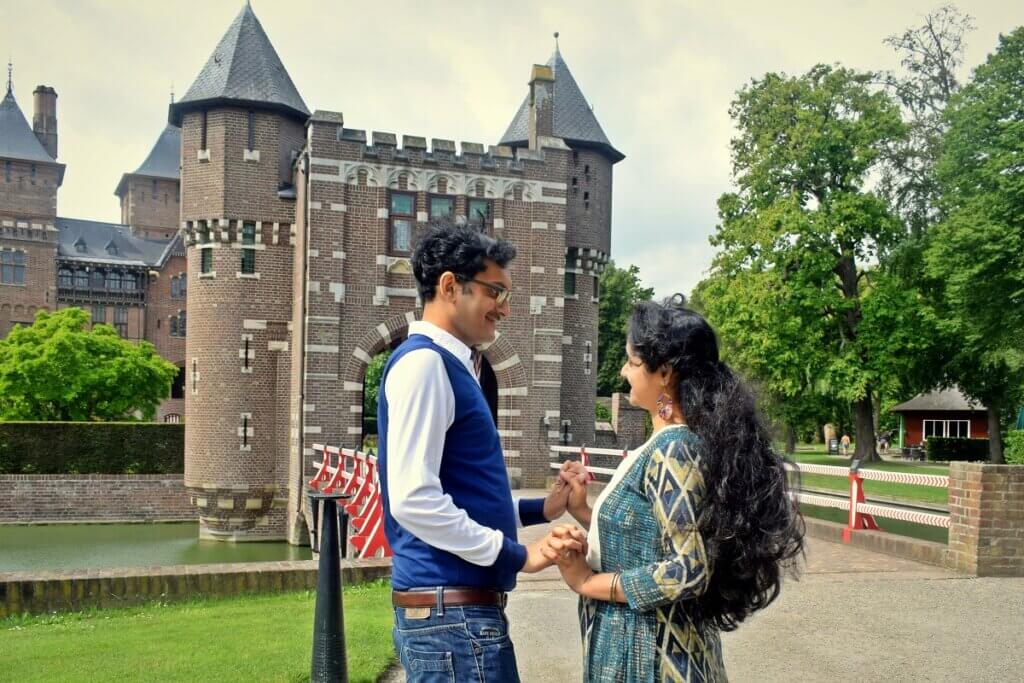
{"type": "Point", "coordinates": [611, 591]}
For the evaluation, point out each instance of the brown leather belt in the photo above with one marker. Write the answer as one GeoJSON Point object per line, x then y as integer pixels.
{"type": "Point", "coordinates": [450, 597]}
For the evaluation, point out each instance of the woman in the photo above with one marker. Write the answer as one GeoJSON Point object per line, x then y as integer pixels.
{"type": "Point", "coordinates": [689, 537]}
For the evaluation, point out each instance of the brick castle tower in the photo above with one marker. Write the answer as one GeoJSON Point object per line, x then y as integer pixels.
{"type": "Point", "coordinates": [299, 233]}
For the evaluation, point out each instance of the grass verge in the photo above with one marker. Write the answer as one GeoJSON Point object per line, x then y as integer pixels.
{"type": "Point", "coordinates": [248, 638]}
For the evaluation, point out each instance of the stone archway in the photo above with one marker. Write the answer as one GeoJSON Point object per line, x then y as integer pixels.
{"type": "Point", "coordinates": [509, 374]}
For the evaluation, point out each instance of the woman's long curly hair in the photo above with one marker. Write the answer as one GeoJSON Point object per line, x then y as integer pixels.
{"type": "Point", "coordinates": [750, 526]}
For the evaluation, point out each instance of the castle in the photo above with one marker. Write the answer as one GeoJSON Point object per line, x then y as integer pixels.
{"type": "Point", "coordinates": [298, 231]}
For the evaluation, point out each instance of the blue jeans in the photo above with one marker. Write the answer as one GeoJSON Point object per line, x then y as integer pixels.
{"type": "Point", "coordinates": [462, 644]}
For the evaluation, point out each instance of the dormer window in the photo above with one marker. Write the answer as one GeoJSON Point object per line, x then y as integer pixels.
{"type": "Point", "coordinates": [80, 245]}
{"type": "Point", "coordinates": [111, 248]}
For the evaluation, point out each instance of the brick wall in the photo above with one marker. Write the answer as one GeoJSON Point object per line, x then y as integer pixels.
{"type": "Point", "coordinates": [93, 498]}
{"type": "Point", "coordinates": [151, 206]}
{"type": "Point", "coordinates": [37, 242]}
{"type": "Point", "coordinates": [986, 519]}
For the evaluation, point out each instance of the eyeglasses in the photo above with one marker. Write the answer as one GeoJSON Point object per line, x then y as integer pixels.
{"type": "Point", "coordinates": [498, 293]}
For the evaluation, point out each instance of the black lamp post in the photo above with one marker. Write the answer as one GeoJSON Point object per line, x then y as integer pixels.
{"type": "Point", "coordinates": [329, 663]}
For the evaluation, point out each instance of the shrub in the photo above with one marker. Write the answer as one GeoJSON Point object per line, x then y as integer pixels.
{"type": "Point", "coordinates": [1013, 451]}
{"type": "Point", "coordinates": [942, 448]}
{"type": "Point", "coordinates": [601, 413]}
{"type": "Point", "coordinates": [92, 448]}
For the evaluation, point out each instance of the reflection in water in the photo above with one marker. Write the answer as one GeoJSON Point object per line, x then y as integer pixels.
{"type": "Point", "coordinates": [88, 546]}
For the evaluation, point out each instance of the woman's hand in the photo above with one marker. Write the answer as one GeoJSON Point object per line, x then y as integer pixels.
{"type": "Point", "coordinates": [575, 475]}
{"type": "Point", "coordinates": [566, 546]}
{"type": "Point", "coordinates": [558, 498]}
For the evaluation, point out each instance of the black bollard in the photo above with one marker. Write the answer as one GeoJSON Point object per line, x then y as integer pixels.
{"type": "Point", "coordinates": [330, 664]}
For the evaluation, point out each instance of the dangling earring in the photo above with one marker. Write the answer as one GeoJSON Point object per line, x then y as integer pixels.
{"type": "Point", "coordinates": [664, 406]}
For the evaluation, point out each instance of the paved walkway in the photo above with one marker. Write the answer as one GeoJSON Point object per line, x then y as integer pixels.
{"type": "Point", "coordinates": [853, 616]}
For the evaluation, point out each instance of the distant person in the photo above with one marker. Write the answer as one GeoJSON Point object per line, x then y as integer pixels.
{"type": "Point", "coordinates": [690, 535]}
{"type": "Point", "coordinates": [844, 444]}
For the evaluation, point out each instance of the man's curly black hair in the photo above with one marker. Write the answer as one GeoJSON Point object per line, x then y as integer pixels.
{"type": "Point", "coordinates": [750, 526]}
{"type": "Point", "coordinates": [461, 249]}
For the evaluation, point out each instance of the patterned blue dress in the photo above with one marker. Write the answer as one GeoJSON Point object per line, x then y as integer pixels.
{"type": "Point", "coordinates": [647, 530]}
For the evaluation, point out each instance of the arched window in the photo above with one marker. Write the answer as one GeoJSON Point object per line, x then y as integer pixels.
{"type": "Point", "coordinates": [174, 287]}
{"type": "Point", "coordinates": [174, 326]}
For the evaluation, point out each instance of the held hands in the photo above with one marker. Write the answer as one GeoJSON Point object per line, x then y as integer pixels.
{"type": "Point", "coordinates": [566, 546]}
{"type": "Point", "coordinates": [572, 479]}
{"type": "Point", "coordinates": [541, 554]}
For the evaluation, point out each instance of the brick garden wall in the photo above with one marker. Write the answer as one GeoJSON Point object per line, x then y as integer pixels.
{"type": "Point", "coordinates": [986, 519]}
{"type": "Point", "coordinates": [93, 498]}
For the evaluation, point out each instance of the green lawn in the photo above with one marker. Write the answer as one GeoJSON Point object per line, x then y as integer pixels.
{"type": "Point", "coordinates": [251, 638]}
{"type": "Point", "coordinates": [908, 492]}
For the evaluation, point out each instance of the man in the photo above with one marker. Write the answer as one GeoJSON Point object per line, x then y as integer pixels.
{"type": "Point", "coordinates": [448, 509]}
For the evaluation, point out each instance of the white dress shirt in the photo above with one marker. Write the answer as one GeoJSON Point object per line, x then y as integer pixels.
{"type": "Point", "coordinates": [421, 408]}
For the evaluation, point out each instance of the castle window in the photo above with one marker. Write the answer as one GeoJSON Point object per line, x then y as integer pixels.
{"type": "Point", "coordinates": [597, 287]}
{"type": "Point", "coordinates": [128, 281]}
{"type": "Point", "coordinates": [174, 326]}
{"type": "Point", "coordinates": [154, 190]}
{"type": "Point", "coordinates": [441, 207]}
{"type": "Point", "coordinates": [479, 213]}
{"type": "Point", "coordinates": [586, 171]}
{"type": "Point", "coordinates": [121, 320]}
{"type": "Point", "coordinates": [202, 129]}
{"type": "Point", "coordinates": [248, 252]}
{"type": "Point", "coordinates": [251, 141]}
{"type": "Point", "coordinates": [183, 285]}
{"type": "Point", "coordinates": [113, 280]}
{"type": "Point", "coordinates": [99, 314]}
{"type": "Point", "coordinates": [206, 261]}
{"type": "Point", "coordinates": [181, 324]}
{"type": "Point", "coordinates": [12, 267]}
{"type": "Point", "coordinates": [575, 181]}
{"type": "Point", "coordinates": [570, 273]}
{"type": "Point", "coordinates": [81, 279]}
{"type": "Point", "coordinates": [64, 277]}
{"type": "Point", "coordinates": [178, 387]}
{"type": "Point", "coordinates": [98, 280]}
{"type": "Point", "coordinates": [33, 174]}
{"type": "Point", "coordinates": [575, 157]}
{"type": "Point", "coordinates": [7, 170]}
{"type": "Point", "coordinates": [112, 249]}
{"type": "Point", "coordinates": [402, 215]}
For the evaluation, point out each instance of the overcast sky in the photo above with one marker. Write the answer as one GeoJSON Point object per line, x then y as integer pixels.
{"type": "Point", "coordinates": [660, 76]}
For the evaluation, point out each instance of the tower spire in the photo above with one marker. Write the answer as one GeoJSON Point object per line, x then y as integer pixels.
{"type": "Point", "coordinates": [10, 77]}
{"type": "Point", "coordinates": [556, 41]}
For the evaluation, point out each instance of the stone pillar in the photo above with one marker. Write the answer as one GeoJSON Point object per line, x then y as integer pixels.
{"type": "Point", "coordinates": [986, 519]}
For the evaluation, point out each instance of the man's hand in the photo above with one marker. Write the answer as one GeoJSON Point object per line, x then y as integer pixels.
{"type": "Point", "coordinates": [541, 554]}
{"type": "Point", "coordinates": [558, 499]}
{"type": "Point", "coordinates": [560, 548]}
{"type": "Point", "coordinates": [575, 475]}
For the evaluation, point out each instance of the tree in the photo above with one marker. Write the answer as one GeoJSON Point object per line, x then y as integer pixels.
{"type": "Point", "coordinates": [798, 238]}
{"type": "Point", "coordinates": [371, 383]}
{"type": "Point", "coordinates": [929, 56]}
{"type": "Point", "coordinates": [56, 369]}
{"type": "Point", "coordinates": [977, 251]}
{"type": "Point", "coordinates": [620, 290]}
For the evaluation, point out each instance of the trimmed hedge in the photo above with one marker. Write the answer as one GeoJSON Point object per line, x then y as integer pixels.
{"type": "Point", "coordinates": [1013, 450]}
{"type": "Point", "coordinates": [942, 448]}
{"type": "Point", "coordinates": [92, 448]}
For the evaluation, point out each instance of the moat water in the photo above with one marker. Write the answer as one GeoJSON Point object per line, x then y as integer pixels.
{"type": "Point", "coordinates": [93, 546]}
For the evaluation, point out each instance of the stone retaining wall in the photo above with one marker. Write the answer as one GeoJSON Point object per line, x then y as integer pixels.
{"type": "Point", "coordinates": [93, 498]}
{"type": "Point", "coordinates": [63, 591]}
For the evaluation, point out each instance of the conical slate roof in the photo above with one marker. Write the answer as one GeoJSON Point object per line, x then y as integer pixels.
{"type": "Point", "coordinates": [17, 141]}
{"type": "Point", "coordinates": [163, 161]}
{"type": "Point", "coordinates": [245, 70]}
{"type": "Point", "coordinates": [574, 119]}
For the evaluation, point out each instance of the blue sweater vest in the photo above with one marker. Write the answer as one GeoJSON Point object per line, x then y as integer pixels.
{"type": "Point", "coordinates": [472, 473]}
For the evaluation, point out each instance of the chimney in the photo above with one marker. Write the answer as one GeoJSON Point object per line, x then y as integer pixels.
{"type": "Point", "coordinates": [542, 103]}
{"type": "Point", "coordinates": [44, 118]}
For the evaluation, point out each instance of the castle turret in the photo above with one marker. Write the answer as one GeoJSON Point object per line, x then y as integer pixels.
{"type": "Point", "coordinates": [555, 107]}
{"type": "Point", "coordinates": [150, 195]}
{"type": "Point", "coordinates": [241, 125]}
